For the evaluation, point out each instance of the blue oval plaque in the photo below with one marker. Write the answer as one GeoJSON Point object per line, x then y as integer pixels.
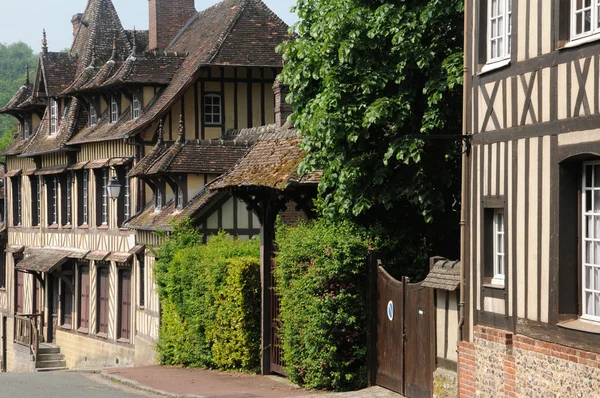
{"type": "Point", "coordinates": [390, 310]}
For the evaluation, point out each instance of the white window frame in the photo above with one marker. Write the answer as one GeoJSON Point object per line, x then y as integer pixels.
{"type": "Point", "coordinates": [39, 200]}
{"type": "Point", "coordinates": [135, 107]}
{"type": "Point", "coordinates": [93, 115]}
{"type": "Point", "coordinates": [54, 201]}
{"type": "Point", "coordinates": [68, 198]}
{"type": "Point", "coordinates": [19, 204]}
{"type": "Point", "coordinates": [53, 116]}
{"type": "Point", "coordinates": [158, 204]}
{"type": "Point", "coordinates": [499, 231]}
{"type": "Point", "coordinates": [26, 129]}
{"type": "Point", "coordinates": [213, 112]}
{"type": "Point", "coordinates": [85, 195]}
{"type": "Point", "coordinates": [114, 110]}
{"type": "Point", "coordinates": [105, 196]}
{"type": "Point", "coordinates": [594, 12]}
{"type": "Point", "coordinates": [127, 196]}
{"type": "Point", "coordinates": [500, 18]}
{"type": "Point", "coordinates": [590, 256]}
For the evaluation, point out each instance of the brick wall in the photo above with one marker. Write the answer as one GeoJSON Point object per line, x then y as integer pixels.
{"type": "Point", "coordinates": [291, 216]}
{"type": "Point", "coordinates": [167, 17]}
{"type": "Point", "coordinates": [498, 364]}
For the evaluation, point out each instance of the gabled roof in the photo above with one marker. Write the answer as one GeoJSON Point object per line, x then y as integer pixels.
{"type": "Point", "coordinates": [444, 275]}
{"type": "Point", "coordinates": [104, 130]}
{"type": "Point", "coordinates": [146, 69]}
{"type": "Point", "coordinates": [22, 95]}
{"type": "Point", "coordinates": [57, 71]}
{"type": "Point", "coordinates": [144, 165]}
{"type": "Point", "coordinates": [272, 163]}
{"type": "Point", "coordinates": [209, 39]}
{"type": "Point", "coordinates": [73, 119]}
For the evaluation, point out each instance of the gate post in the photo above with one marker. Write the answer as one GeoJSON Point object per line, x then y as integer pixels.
{"type": "Point", "coordinates": [372, 269]}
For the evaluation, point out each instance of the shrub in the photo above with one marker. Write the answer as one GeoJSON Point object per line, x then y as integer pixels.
{"type": "Point", "coordinates": [192, 281]}
{"type": "Point", "coordinates": [321, 278]}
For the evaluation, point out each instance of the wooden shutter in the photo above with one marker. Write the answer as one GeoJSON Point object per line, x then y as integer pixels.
{"type": "Point", "coordinates": [67, 303]}
{"type": "Point", "coordinates": [125, 305]}
{"type": "Point", "coordinates": [142, 260]}
{"type": "Point", "coordinates": [19, 292]}
{"type": "Point", "coordinates": [103, 301]}
{"type": "Point", "coordinates": [84, 297]}
{"type": "Point", "coordinates": [36, 296]}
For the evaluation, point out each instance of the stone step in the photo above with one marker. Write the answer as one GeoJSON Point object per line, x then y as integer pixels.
{"type": "Point", "coordinates": [51, 369]}
{"type": "Point", "coordinates": [48, 350]}
{"type": "Point", "coordinates": [50, 357]}
{"type": "Point", "coordinates": [50, 364]}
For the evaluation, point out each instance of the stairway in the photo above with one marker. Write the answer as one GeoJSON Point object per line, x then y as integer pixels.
{"type": "Point", "coordinates": [49, 359]}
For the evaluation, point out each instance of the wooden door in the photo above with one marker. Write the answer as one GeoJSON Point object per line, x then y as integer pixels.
{"type": "Point", "coordinates": [125, 301]}
{"type": "Point", "coordinates": [84, 297]}
{"type": "Point", "coordinates": [103, 297]}
{"type": "Point", "coordinates": [54, 305]}
{"type": "Point", "coordinates": [390, 331]}
{"type": "Point", "coordinates": [37, 296]}
{"type": "Point", "coordinates": [20, 287]}
{"type": "Point", "coordinates": [419, 341]}
{"type": "Point", "coordinates": [3, 344]}
{"type": "Point", "coordinates": [277, 361]}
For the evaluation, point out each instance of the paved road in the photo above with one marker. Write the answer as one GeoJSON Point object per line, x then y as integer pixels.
{"type": "Point", "coordinates": [62, 385]}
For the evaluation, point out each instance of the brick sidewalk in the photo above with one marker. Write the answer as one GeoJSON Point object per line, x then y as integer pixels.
{"type": "Point", "coordinates": [181, 382]}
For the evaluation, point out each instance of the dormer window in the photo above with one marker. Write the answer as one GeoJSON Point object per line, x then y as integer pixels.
{"type": "Point", "coordinates": [135, 108]}
{"type": "Point", "coordinates": [53, 117]}
{"type": "Point", "coordinates": [159, 200]}
{"type": "Point", "coordinates": [212, 109]}
{"type": "Point", "coordinates": [114, 110]}
{"type": "Point", "coordinates": [93, 116]}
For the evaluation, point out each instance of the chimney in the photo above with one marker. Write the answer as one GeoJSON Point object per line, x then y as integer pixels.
{"type": "Point", "coordinates": [76, 21]}
{"type": "Point", "coordinates": [282, 109]}
{"type": "Point", "coordinates": [167, 17]}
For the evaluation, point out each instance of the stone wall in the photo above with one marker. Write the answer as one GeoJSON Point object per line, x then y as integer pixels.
{"type": "Point", "coordinates": [498, 364]}
{"type": "Point", "coordinates": [89, 352]}
{"type": "Point", "coordinates": [445, 384]}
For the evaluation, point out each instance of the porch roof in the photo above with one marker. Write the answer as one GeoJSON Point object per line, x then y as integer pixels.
{"type": "Point", "coordinates": [445, 275]}
{"type": "Point", "coordinates": [43, 259]}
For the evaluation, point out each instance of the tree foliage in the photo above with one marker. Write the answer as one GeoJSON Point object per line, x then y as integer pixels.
{"type": "Point", "coordinates": [13, 58]}
{"type": "Point", "coordinates": [372, 82]}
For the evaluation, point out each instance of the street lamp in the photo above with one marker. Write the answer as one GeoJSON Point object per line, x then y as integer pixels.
{"type": "Point", "coordinates": [113, 188]}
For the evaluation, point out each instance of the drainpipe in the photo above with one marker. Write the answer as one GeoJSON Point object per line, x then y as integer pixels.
{"type": "Point", "coordinates": [463, 210]}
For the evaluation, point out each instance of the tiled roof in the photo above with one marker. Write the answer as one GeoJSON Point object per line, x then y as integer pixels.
{"type": "Point", "coordinates": [22, 95]}
{"type": "Point", "coordinates": [58, 70]}
{"type": "Point", "coordinates": [272, 163]}
{"type": "Point", "coordinates": [147, 69]}
{"type": "Point", "coordinates": [151, 220]}
{"type": "Point", "coordinates": [199, 157]}
{"type": "Point", "coordinates": [74, 119]}
{"type": "Point", "coordinates": [143, 165]}
{"type": "Point", "coordinates": [209, 39]}
{"type": "Point", "coordinates": [104, 130]}
{"type": "Point", "coordinates": [445, 275]}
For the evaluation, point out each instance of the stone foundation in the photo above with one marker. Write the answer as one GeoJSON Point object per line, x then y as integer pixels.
{"type": "Point", "coordinates": [22, 360]}
{"type": "Point", "coordinates": [445, 384]}
{"type": "Point", "coordinates": [498, 364]}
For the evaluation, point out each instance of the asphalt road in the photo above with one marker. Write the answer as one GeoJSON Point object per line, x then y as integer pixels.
{"type": "Point", "coordinates": [63, 385]}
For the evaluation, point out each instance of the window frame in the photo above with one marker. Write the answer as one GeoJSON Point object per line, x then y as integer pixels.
{"type": "Point", "coordinates": [83, 213]}
{"type": "Point", "coordinates": [499, 269]}
{"type": "Point", "coordinates": [53, 117]}
{"type": "Point", "coordinates": [83, 324]}
{"type": "Point", "coordinates": [36, 206]}
{"type": "Point", "coordinates": [102, 267]}
{"type": "Point", "coordinates": [135, 107]}
{"type": "Point", "coordinates": [114, 110]}
{"type": "Point", "coordinates": [17, 203]}
{"type": "Point", "coordinates": [505, 37]}
{"type": "Point", "coordinates": [142, 283]}
{"type": "Point", "coordinates": [53, 204]}
{"type": "Point", "coordinates": [93, 115]}
{"type": "Point", "coordinates": [26, 130]}
{"type": "Point", "coordinates": [594, 21]}
{"type": "Point", "coordinates": [212, 114]}
{"type": "Point", "coordinates": [586, 262]}
{"type": "Point", "coordinates": [66, 183]}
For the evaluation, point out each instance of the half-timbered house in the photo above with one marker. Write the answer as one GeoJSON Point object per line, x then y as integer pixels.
{"type": "Point", "coordinates": [531, 209]}
{"type": "Point", "coordinates": [117, 138]}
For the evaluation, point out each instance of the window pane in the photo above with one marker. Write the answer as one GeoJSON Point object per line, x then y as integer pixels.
{"type": "Point", "coordinates": [597, 279]}
{"type": "Point", "coordinates": [589, 278]}
{"type": "Point", "coordinates": [589, 252]}
{"type": "Point", "coordinates": [588, 201]}
{"type": "Point", "coordinates": [597, 309]}
{"type": "Point", "coordinates": [588, 175]}
{"type": "Point", "coordinates": [597, 176]}
{"type": "Point", "coordinates": [597, 201]}
{"type": "Point", "coordinates": [589, 298]}
{"type": "Point", "coordinates": [597, 252]}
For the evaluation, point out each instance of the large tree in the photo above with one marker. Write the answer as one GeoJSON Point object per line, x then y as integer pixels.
{"type": "Point", "coordinates": [13, 59]}
{"type": "Point", "coordinates": [376, 92]}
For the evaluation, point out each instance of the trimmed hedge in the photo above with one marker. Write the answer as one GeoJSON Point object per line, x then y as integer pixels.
{"type": "Point", "coordinates": [204, 289]}
{"type": "Point", "coordinates": [321, 278]}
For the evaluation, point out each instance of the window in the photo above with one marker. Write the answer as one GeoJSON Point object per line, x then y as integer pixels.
{"type": "Point", "coordinates": [158, 199]}
{"type": "Point", "coordinates": [66, 187]}
{"type": "Point", "coordinates": [84, 298]}
{"type": "Point", "coordinates": [124, 201]}
{"type": "Point", "coordinates": [125, 305]}
{"type": "Point", "coordinates": [114, 110]}
{"type": "Point", "coordinates": [212, 109]}
{"type": "Point", "coordinates": [142, 293]}
{"type": "Point", "coordinates": [499, 30]}
{"type": "Point", "coordinates": [103, 297]}
{"type": "Point", "coordinates": [93, 115]}
{"type": "Point", "coordinates": [53, 117]}
{"type": "Point", "coordinates": [591, 241]}
{"type": "Point", "coordinates": [20, 287]}
{"type": "Point", "coordinates": [179, 198]}
{"type": "Point", "coordinates": [26, 130]}
{"type": "Point", "coordinates": [102, 197]}
{"type": "Point", "coordinates": [16, 196]}
{"type": "Point", "coordinates": [498, 250]}
{"type": "Point", "coordinates": [36, 205]}
{"type": "Point", "coordinates": [584, 18]}
{"type": "Point", "coordinates": [3, 271]}
{"type": "Point", "coordinates": [67, 297]}
{"type": "Point", "coordinates": [52, 186]}
{"type": "Point", "coordinates": [83, 189]}
{"type": "Point", "coordinates": [135, 109]}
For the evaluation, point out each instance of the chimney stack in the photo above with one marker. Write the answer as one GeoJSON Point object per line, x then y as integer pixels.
{"type": "Point", "coordinates": [167, 17]}
{"type": "Point", "coordinates": [76, 21]}
{"type": "Point", "coordinates": [282, 109]}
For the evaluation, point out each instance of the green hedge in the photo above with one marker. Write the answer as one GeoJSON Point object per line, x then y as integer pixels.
{"type": "Point", "coordinates": [321, 278]}
{"type": "Point", "coordinates": [204, 288]}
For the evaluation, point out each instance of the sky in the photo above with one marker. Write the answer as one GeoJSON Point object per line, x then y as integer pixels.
{"type": "Point", "coordinates": [56, 19]}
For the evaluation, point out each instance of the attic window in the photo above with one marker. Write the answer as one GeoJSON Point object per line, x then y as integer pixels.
{"type": "Point", "coordinates": [135, 108]}
{"type": "Point", "coordinates": [93, 116]}
{"type": "Point", "coordinates": [53, 117]}
{"type": "Point", "coordinates": [212, 109]}
{"type": "Point", "coordinates": [25, 130]}
{"type": "Point", "coordinates": [114, 110]}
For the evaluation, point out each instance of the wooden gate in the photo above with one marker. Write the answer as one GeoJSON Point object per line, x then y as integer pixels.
{"type": "Point", "coordinates": [277, 362]}
{"type": "Point", "coordinates": [405, 336]}
{"type": "Point", "coordinates": [3, 344]}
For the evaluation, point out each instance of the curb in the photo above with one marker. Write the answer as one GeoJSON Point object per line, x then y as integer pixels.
{"type": "Point", "coordinates": [135, 385]}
